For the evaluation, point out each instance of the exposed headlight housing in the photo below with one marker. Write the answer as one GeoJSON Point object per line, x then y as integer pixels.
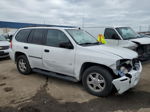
{"type": "Point", "coordinates": [124, 66]}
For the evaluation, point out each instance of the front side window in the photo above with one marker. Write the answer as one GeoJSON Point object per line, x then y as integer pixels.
{"type": "Point", "coordinates": [82, 37]}
{"type": "Point", "coordinates": [56, 37]}
{"type": "Point", "coordinates": [127, 33]}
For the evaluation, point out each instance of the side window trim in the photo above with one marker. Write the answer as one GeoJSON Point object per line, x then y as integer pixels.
{"type": "Point", "coordinates": [32, 30]}
{"type": "Point", "coordinates": [118, 34]}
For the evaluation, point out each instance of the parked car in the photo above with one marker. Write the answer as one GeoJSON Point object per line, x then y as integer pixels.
{"type": "Point", "coordinates": [126, 37]}
{"type": "Point", "coordinates": [4, 47]}
{"type": "Point", "coordinates": [143, 35]}
{"type": "Point", "coordinates": [75, 55]}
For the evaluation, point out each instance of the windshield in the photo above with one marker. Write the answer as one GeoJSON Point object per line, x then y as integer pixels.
{"type": "Point", "coordinates": [127, 33]}
{"type": "Point", "coordinates": [2, 38]}
{"type": "Point", "coordinates": [82, 37]}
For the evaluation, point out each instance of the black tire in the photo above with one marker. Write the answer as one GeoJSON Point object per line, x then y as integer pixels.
{"type": "Point", "coordinates": [107, 77]}
{"type": "Point", "coordinates": [28, 69]}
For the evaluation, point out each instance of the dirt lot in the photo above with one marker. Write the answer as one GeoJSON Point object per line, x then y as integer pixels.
{"type": "Point", "coordinates": [37, 93]}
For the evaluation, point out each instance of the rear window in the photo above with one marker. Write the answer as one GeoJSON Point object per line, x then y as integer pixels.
{"type": "Point", "coordinates": [23, 35]}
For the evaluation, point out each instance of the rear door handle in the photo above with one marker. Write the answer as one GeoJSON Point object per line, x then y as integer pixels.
{"type": "Point", "coordinates": [25, 47]}
{"type": "Point", "coordinates": [46, 50]}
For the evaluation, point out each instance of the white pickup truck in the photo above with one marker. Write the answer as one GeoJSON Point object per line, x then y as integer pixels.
{"type": "Point", "coordinates": [124, 37]}
{"type": "Point", "coordinates": [73, 54]}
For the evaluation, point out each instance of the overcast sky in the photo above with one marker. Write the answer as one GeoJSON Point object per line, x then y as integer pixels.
{"type": "Point", "coordinates": [74, 12]}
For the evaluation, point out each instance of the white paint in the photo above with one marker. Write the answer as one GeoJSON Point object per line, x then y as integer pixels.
{"type": "Point", "coordinates": [70, 61]}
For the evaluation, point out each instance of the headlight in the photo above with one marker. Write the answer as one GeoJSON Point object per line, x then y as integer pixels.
{"type": "Point", "coordinates": [124, 66]}
{"type": "Point", "coordinates": [124, 70]}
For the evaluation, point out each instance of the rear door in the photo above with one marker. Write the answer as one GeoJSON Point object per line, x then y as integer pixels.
{"type": "Point", "coordinates": [35, 47]}
{"type": "Point", "coordinates": [21, 38]}
{"type": "Point", "coordinates": [56, 58]}
{"type": "Point", "coordinates": [111, 37]}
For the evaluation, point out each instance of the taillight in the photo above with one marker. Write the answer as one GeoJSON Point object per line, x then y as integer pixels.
{"type": "Point", "coordinates": [11, 44]}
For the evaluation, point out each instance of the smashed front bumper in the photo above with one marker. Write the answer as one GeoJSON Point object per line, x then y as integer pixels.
{"type": "Point", "coordinates": [124, 83]}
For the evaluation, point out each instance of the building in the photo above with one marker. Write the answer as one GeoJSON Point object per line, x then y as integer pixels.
{"type": "Point", "coordinates": [6, 27]}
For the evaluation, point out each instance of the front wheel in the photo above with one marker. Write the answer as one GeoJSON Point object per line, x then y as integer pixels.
{"type": "Point", "coordinates": [97, 81]}
{"type": "Point", "coordinates": [23, 65]}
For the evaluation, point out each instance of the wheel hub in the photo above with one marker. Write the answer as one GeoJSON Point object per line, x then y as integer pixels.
{"type": "Point", "coordinates": [96, 82]}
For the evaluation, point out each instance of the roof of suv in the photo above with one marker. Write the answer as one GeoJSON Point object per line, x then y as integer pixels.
{"type": "Point", "coordinates": [117, 27]}
{"type": "Point", "coordinates": [50, 28]}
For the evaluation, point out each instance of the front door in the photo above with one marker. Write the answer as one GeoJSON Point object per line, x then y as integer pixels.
{"type": "Point", "coordinates": [111, 36]}
{"type": "Point", "coordinates": [56, 58]}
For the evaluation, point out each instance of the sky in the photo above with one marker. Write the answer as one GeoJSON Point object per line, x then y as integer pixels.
{"type": "Point", "coordinates": [86, 13]}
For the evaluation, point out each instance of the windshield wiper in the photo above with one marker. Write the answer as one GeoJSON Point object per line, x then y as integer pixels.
{"type": "Point", "coordinates": [89, 43]}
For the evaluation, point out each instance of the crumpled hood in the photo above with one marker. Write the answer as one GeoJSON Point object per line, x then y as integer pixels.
{"type": "Point", "coordinates": [118, 51]}
{"type": "Point", "coordinates": [4, 43]}
{"type": "Point", "coordinates": [143, 40]}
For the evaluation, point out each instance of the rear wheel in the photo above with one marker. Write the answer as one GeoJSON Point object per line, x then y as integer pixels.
{"type": "Point", "coordinates": [97, 81]}
{"type": "Point", "coordinates": [23, 65]}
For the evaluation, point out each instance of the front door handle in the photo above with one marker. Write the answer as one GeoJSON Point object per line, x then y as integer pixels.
{"type": "Point", "coordinates": [25, 47]}
{"type": "Point", "coordinates": [46, 50]}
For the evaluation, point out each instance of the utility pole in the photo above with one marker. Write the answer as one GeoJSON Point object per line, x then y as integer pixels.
{"type": "Point", "coordinates": [83, 22]}
{"type": "Point", "coordinates": [140, 28]}
{"type": "Point", "coordinates": [149, 28]}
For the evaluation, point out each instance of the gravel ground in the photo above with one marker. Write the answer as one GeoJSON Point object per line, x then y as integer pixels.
{"type": "Point", "coordinates": [37, 93]}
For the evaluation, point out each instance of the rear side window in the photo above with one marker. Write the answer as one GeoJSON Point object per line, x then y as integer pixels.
{"type": "Point", "coordinates": [36, 36]}
{"type": "Point", "coordinates": [23, 35]}
{"type": "Point", "coordinates": [55, 37]}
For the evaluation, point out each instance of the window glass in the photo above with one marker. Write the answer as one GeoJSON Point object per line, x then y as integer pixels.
{"type": "Point", "coordinates": [110, 34]}
{"type": "Point", "coordinates": [55, 37]}
{"type": "Point", "coordinates": [29, 40]}
{"type": "Point", "coordinates": [81, 36]}
{"type": "Point", "coordinates": [23, 35]}
{"type": "Point", "coordinates": [127, 33]}
{"type": "Point", "coordinates": [37, 36]}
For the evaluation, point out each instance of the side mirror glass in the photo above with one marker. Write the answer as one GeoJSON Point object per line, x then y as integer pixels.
{"type": "Point", "coordinates": [66, 45]}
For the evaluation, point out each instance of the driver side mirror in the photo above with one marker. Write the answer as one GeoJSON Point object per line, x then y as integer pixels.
{"type": "Point", "coordinates": [66, 45]}
{"type": "Point", "coordinates": [115, 36]}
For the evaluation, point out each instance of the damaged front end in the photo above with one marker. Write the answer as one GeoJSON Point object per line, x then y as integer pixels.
{"type": "Point", "coordinates": [128, 72]}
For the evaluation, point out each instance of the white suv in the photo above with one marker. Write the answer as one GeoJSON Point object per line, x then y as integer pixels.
{"type": "Point", "coordinates": [73, 54]}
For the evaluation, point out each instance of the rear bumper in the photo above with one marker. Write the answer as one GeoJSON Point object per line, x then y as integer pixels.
{"type": "Point", "coordinates": [11, 54]}
{"type": "Point", "coordinates": [124, 83]}
{"type": "Point", "coordinates": [4, 53]}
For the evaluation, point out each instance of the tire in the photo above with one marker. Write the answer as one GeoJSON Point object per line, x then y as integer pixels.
{"type": "Point", "coordinates": [26, 69]}
{"type": "Point", "coordinates": [99, 78]}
